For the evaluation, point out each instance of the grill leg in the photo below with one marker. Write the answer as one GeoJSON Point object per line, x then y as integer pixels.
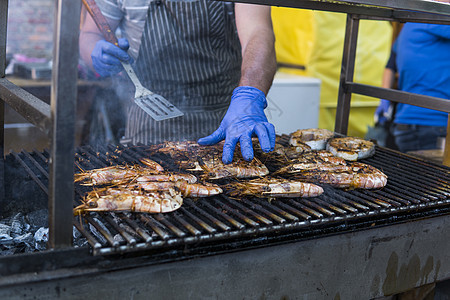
{"type": "Point", "coordinates": [446, 160]}
{"type": "Point", "coordinates": [3, 29]}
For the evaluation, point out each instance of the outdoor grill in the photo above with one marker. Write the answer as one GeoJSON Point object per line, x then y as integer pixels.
{"type": "Point", "coordinates": [344, 244]}
{"type": "Point", "coordinates": [417, 194]}
{"type": "Point", "coordinates": [415, 189]}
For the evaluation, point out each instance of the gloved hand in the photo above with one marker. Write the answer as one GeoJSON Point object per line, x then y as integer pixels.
{"type": "Point", "coordinates": [106, 57]}
{"type": "Point", "coordinates": [383, 112]}
{"type": "Point", "coordinates": [245, 117]}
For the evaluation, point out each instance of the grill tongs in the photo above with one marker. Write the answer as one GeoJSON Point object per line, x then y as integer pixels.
{"type": "Point", "coordinates": [153, 104]}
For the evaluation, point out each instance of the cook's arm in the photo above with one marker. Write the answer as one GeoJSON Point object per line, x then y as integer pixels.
{"type": "Point", "coordinates": [99, 54]}
{"type": "Point", "coordinates": [254, 25]}
{"type": "Point", "coordinates": [245, 116]}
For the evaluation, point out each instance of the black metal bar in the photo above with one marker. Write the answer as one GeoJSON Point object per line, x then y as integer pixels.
{"type": "Point", "coordinates": [155, 226]}
{"type": "Point", "coordinates": [294, 210]}
{"type": "Point", "coordinates": [398, 96]}
{"type": "Point", "coordinates": [282, 212]}
{"type": "Point", "coordinates": [212, 219]}
{"type": "Point", "coordinates": [91, 240]}
{"type": "Point", "coordinates": [130, 239]}
{"type": "Point", "coordinates": [198, 221]}
{"type": "Point", "coordinates": [342, 204]}
{"type": "Point", "coordinates": [139, 231]}
{"type": "Point", "coordinates": [347, 71]}
{"type": "Point", "coordinates": [63, 104]}
{"type": "Point", "coordinates": [236, 212]}
{"type": "Point", "coordinates": [226, 216]}
{"type": "Point", "coordinates": [101, 228]}
{"type": "Point", "coordinates": [33, 109]}
{"type": "Point", "coordinates": [168, 224]}
{"type": "Point", "coordinates": [31, 173]}
{"type": "Point", "coordinates": [403, 16]}
{"type": "Point", "coordinates": [412, 16]}
{"type": "Point", "coordinates": [253, 213]}
{"type": "Point", "coordinates": [191, 228]}
{"type": "Point", "coordinates": [3, 31]}
{"type": "Point", "coordinates": [36, 164]}
{"type": "Point", "coordinates": [446, 159]}
{"type": "Point", "coordinates": [436, 13]}
{"type": "Point", "coordinates": [413, 5]}
{"type": "Point", "coordinates": [332, 6]}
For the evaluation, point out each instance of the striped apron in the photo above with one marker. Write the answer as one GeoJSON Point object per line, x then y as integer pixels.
{"type": "Point", "coordinates": [191, 55]}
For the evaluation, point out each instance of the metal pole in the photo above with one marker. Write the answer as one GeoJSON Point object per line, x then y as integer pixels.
{"type": "Point", "coordinates": [63, 108]}
{"type": "Point", "coordinates": [3, 31]}
{"type": "Point", "coordinates": [446, 160]}
{"type": "Point", "coordinates": [347, 70]}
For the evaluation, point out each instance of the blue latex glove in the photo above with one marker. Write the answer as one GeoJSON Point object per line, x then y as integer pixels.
{"type": "Point", "coordinates": [245, 117]}
{"type": "Point", "coordinates": [383, 112]}
{"type": "Point", "coordinates": [106, 57]}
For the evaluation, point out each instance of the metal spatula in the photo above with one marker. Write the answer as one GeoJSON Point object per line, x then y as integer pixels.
{"type": "Point", "coordinates": [153, 104]}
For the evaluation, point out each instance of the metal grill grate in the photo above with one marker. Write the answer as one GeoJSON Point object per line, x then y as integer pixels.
{"type": "Point", "coordinates": [415, 188]}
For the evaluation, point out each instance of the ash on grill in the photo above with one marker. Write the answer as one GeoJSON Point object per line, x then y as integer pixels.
{"type": "Point", "coordinates": [25, 233]}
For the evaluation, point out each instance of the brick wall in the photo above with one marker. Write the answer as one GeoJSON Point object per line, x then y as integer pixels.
{"type": "Point", "coordinates": [30, 28]}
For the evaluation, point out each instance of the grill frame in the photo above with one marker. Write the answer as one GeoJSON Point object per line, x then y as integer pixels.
{"type": "Point", "coordinates": [256, 222]}
{"type": "Point", "coordinates": [59, 264]}
{"type": "Point", "coordinates": [64, 91]}
{"type": "Point", "coordinates": [316, 267]}
{"type": "Point", "coordinates": [265, 219]}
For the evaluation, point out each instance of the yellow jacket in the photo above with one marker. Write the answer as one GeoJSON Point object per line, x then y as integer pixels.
{"type": "Point", "coordinates": [315, 40]}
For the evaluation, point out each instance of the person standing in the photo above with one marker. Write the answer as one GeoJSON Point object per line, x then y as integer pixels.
{"type": "Point", "coordinates": [196, 53]}
{"type": "Point", "coordinates": [423, 68]}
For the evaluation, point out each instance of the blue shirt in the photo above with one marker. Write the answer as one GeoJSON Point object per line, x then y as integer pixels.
{"type": "Point", "coordinates": [423, 63]}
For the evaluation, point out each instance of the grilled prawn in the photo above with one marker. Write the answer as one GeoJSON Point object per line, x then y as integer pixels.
{"type": "Point", "coordinates": [315, 160]}
{"type": "Point", "coordinates": [197, 189]}
{"type": "Point", "coordinates": [215, 169]}
{"type": "Point", "coordinates": [358, 175]}
{"type": "Point", "coordinates": [273, 188]}
{"type": "Point", "coordinates": [193, 157]}
{"type": "Point", "coordinates": [136, 201]}
{"type": "Point", "coordinates": [114, 174]}
{"type": "Point", "coordinates": [170, 177]}
{"type": "Point", "coordinates": [187, 189]}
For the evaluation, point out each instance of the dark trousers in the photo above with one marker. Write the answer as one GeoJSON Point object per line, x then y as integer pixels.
{"type": "Point", "coordinates": [417, 137]}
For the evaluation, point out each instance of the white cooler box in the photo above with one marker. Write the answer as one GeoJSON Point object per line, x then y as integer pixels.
{"type": "Point", "coordinates": [293, 103]}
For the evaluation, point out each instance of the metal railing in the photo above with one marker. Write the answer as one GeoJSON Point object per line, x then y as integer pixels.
{"type": "Point", "coordinates": [388, 10]}
{"type": "Point", "coordinates": [57, 120]}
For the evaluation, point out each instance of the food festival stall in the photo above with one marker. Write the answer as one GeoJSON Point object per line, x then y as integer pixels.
{"type": "Point", "coordinates": [341, 244]}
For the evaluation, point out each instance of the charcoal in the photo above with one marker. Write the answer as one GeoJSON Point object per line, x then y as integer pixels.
{"type": "Point", "coordinates": [119, 238]}
{"type": "Point", "coordinates": [76, 234]}
{"type": "Point", "coordinates": [5, 230]}
{"type": "Point", "coordinates": [25, 238]}
{"type": "Point", "coordinates": [97, 234]}
{"type": "Point", "coordinates": [38, 218]}
{"type": "Point", "coordinates": [78, 239]}
{"type": "Point", "coordinates": [41, 238]}
{"type": "Point", "coordinates": [24, 194]}
{"type": "Point", "coordinates": [22, 247]}
{"type": "Point", "coordinates": [6, 240]}
{"type": "Point", "coordinates": [18, 225]}
{"type": "Point", "coordinates": [6, 251]}
{"type": "Point", "coordinates": [25, 242]}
